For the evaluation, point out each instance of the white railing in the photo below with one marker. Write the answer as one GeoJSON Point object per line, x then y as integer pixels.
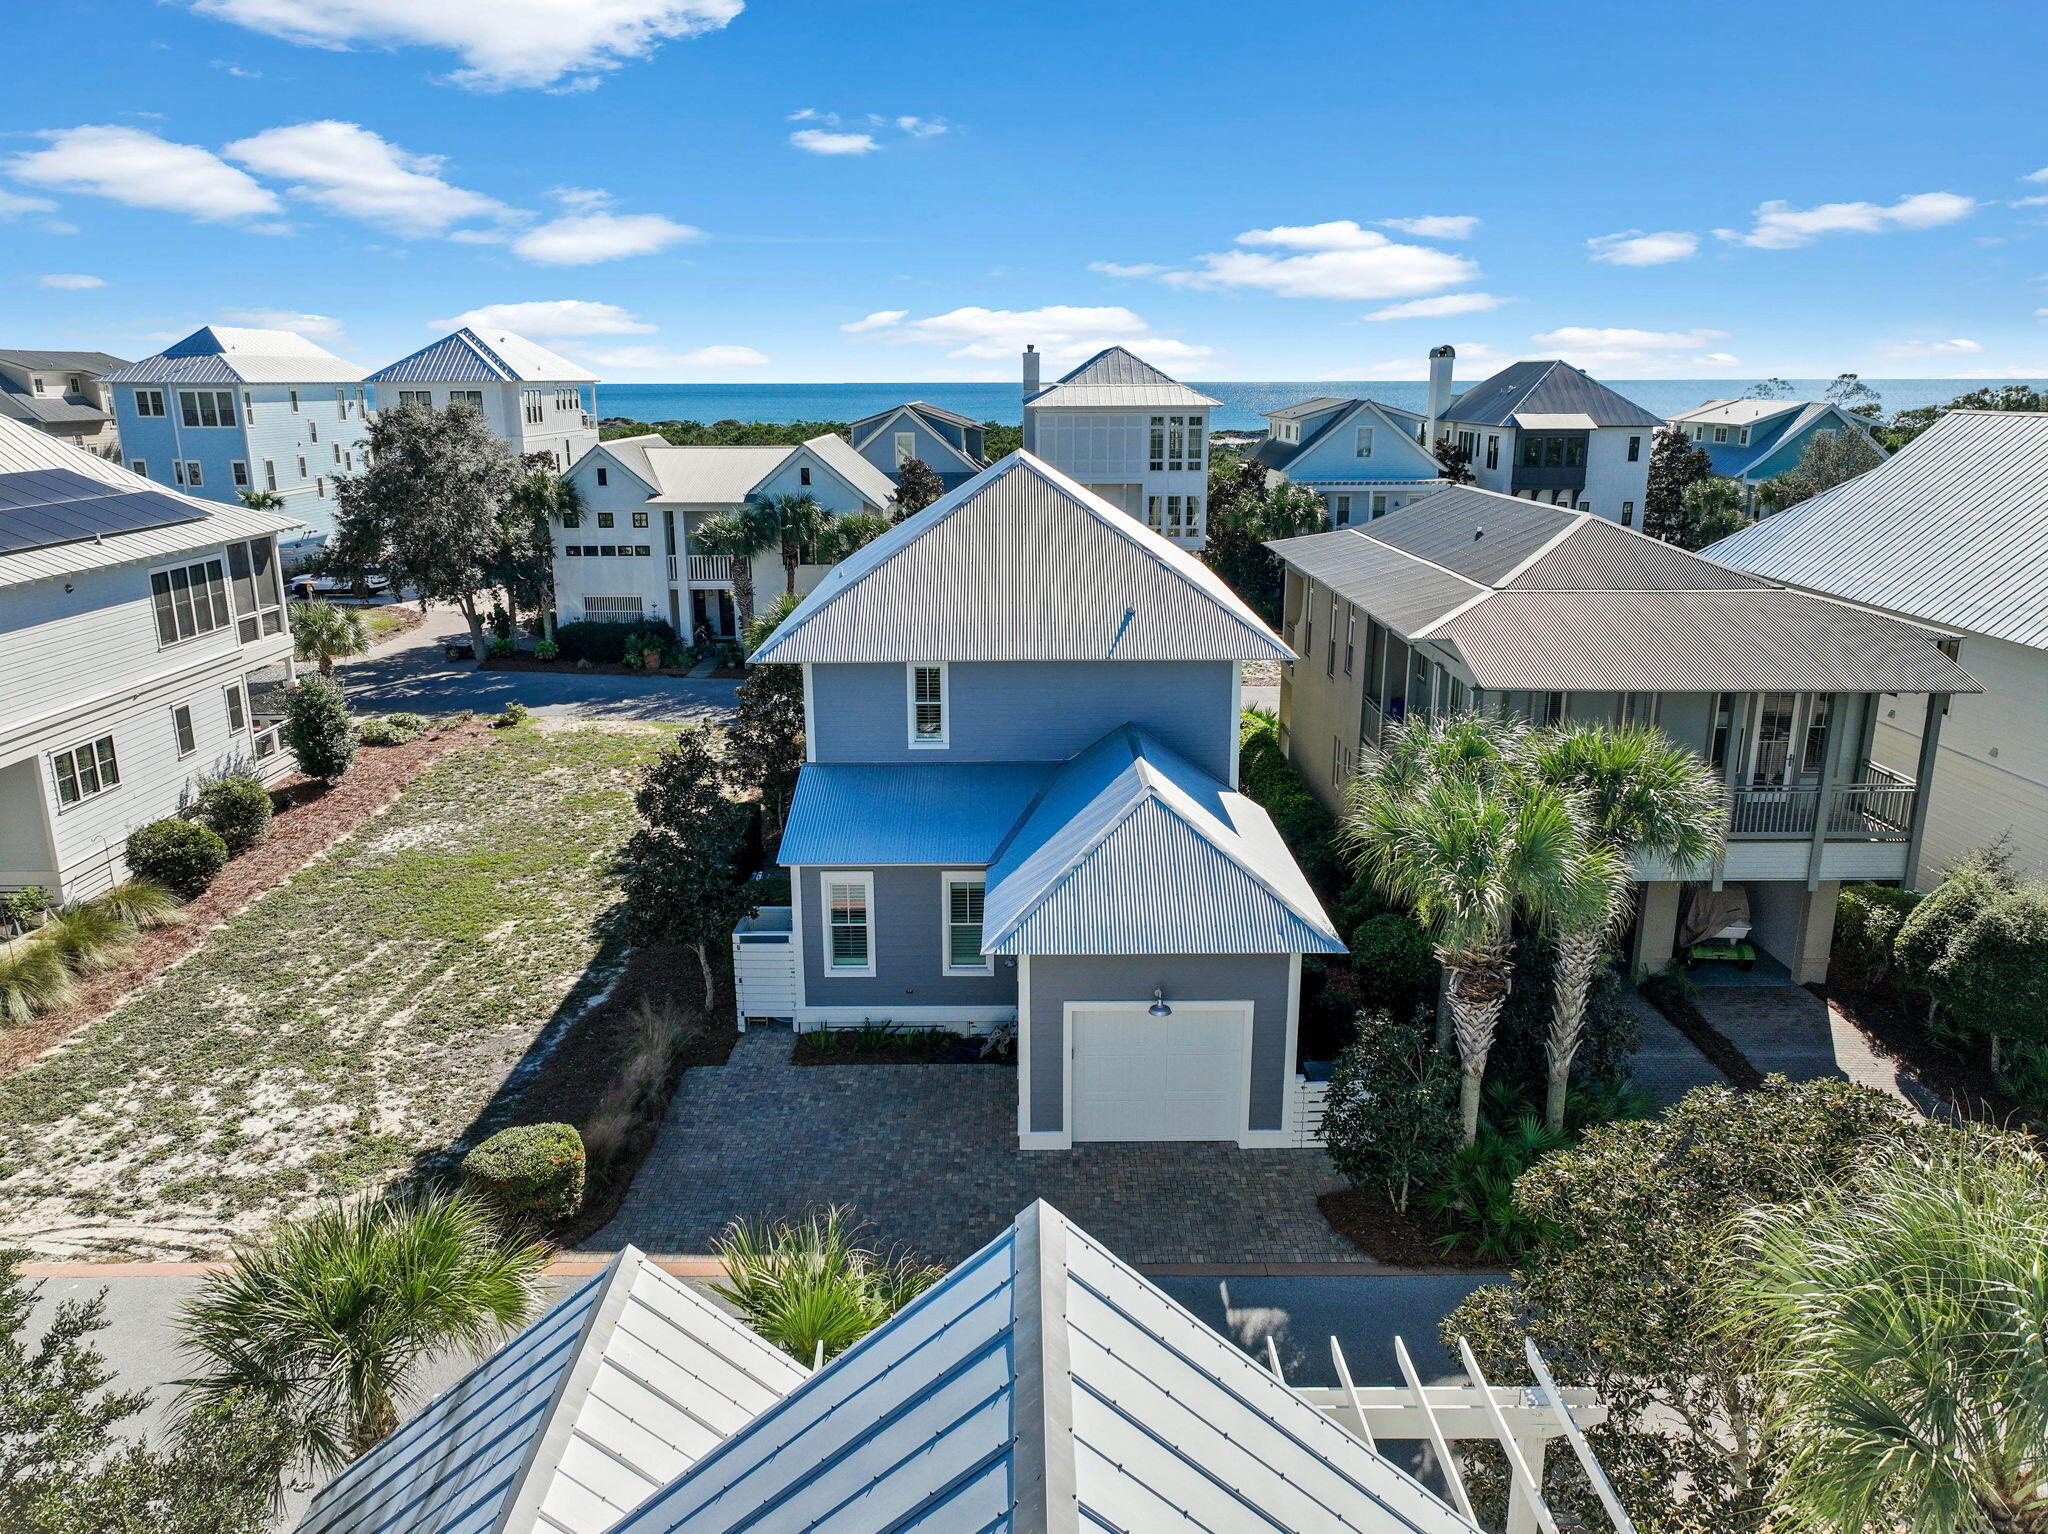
{"type": "Point", "coordinates": [712, 569]}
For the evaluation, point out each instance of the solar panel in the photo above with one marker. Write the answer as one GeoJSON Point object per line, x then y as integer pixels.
{"type": "Point", "coordinates": [44, 507]}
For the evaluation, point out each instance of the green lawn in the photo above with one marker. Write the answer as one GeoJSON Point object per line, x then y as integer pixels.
{"type": "Point", "coordinates": [349, 1022]}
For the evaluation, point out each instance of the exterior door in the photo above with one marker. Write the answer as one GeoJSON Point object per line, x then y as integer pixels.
{"type": "Point", "coordinates": [1139, 1077]}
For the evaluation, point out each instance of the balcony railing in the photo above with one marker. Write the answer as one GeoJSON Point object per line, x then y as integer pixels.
{"type": "Point", "coordinates": [711, 569]}
{"type": "Point", "coordinates": [1878, 809]}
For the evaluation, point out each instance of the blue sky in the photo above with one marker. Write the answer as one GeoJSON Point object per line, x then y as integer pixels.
{"type": "Point", "coordinates": [796, 190]}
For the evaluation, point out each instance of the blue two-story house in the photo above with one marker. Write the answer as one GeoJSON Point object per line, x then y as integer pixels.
{"type": "Point", "coordinates": [1019, 805]}
{"type": "Point", "coordinates": [944, 441]}
{"type": "Point", "coordinates": [1363, 458]}
{"type": "Point", "coordinates": [1752, 440]}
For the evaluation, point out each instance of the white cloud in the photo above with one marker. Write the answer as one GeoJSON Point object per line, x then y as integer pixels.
{"type": "Point", "coordinates": [1780, 226]}
{"type": "Point", "coordinates": [503, 44]}
{"type": "Point", "coordinates": [1339, 260]}
{"type": "Point", "coordinates": [143, 171]}
{"type": "Point", "coordinates": [2036, 175]}
{"type": "Point", "coordinates": [823, 141]}
{"type": "Point", "coordinates": [1595, 348]}
{"type": "Point", "coordinates": [577, 239]}
{"type": "Point", "coordinates": [347, 169]}
{"type": "Point", "coordinates": [14, 205]}
{"type": "Point", "coordinates": [314, 327]}
{"type": "Point", "coordinates": [581, 198]}
{"type": "Point", "coordinates": [1434, 226]}
{"type": "Point", "coordinates": [1436, 308]}
{"type": "Point", "coordinates": [1064, 333]}
{"type": "Point", "coordinates": [1632, 247]}
{"type": "Point", "coordinates": [72, 280]}
{"type": "Point", "coordinates": [922, 127]}
{"type": "Point", "coordinates": [1954, 347]}
{"type": "Point", "coordinates": [641, 359]}
{"type": "Point", "coordinates": [553, 317]}
{"type": "Point", "coordinates": [2041, 314]}
{"type": "Point", "coordinates": [1474, 358]}
{"type": "Point", "coordinates": [1116, 269]}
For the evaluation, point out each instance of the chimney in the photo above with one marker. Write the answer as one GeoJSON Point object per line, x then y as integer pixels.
{"type": "Point", "coordinates": [1030, 388]}
{"type": "Point", "coordinates": [1441, 359]}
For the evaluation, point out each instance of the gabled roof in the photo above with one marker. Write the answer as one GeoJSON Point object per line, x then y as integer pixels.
{"type": "Point", "coordinates": [1129, 814]}
{"type": "Point", "coordinates": [1740, 412]}
{"type": "Point", "coordinates": [1113, 377]}
{"type": "Point", "coordinates": [726, 476]}
{"type": "Point", "coordinates": [1953, 528]}
{"type": "Point", "coordinates": [63, 362]}
{"type": "Point", "coordinates": [27, 405]}
{"type": "Point", "coordinates": [1044, 1387]}
{"type": "Point", "coordinates": [867, 428]}
{"type": "Point", "coordinates": [1314, 406]}
{"type": "Point", "coordinates": [1021, 563]}
{"type": "Point", "coordinates": [1278, 455]}
{"type": "Point", "coordinates": [234, 354]}
{"type": "Point", "coordinates": [838, 455]}
{"type": "Point", "coordinates": [26, 451]}
{"type": "Point", "coordinates": [616, 1391]}
{"type": "Point", "coordinates": [1545, 388]}
{"type": "Point", "coordinates": [920, 407]}
{"type": "Point", "coordinates": [1741, 461]}
{"type": "Point", "coordinates": [1526, 595]}
{"type": "Point", "coordinates": [483, 356]}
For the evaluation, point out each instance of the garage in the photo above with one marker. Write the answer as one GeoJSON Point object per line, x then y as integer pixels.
{"type": "Point", "coordinates": [1136, 1076]}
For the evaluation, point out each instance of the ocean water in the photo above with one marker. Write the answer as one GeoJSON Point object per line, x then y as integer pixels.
{"type": "Point", "coordinates": [1242, 403]}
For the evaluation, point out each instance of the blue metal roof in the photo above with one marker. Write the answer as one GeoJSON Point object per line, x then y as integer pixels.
{"type": "Point", "coordinates": [877, 813]}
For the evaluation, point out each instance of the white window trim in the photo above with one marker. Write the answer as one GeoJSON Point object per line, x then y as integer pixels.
{"type": "Point", "coordinates": [844, 971]}
{"type": "Point", "coordinates": [1361, 442]}
{"type": "Point", "coordinates": [947, 880]}
{"type": "Point", "coordinates": [927, 742]}
{"type": "Point", "coordinates": [904, 446]}
{"type": "Point", "coordinates": [192, 714]}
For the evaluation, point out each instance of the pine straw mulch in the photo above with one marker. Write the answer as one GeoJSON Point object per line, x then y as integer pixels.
{"type": "Point", "coordinates": [310, 818]}
{"type": "Point", "coordinates": [1371, 1223]}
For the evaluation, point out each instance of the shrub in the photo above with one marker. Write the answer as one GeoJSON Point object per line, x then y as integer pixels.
{"type": "Point", "coordinates": [532, 1173]}
{"type": "Point", "coordinates": [1611, 1033]}
{"type": "Point", "coordinates": [86, 938]}
{"type": "Point", "coordinates": [1310, 831]}
{"type": "Point", "coordinates": [514, 716]}
{"type": "Point", "coordinates": [1993, 982]}
{"type": "Point", "coordinates": [419, 724]}
{"type": "Point", "coordinates": [181, 855]}
{"type": "Point", "coordinates": [608, 641]}
{"type": "Point", "coordinates": [1390, 1121]}
{"type": "Point", "coordinates": [139, 903]}
{"type": "Point", "coordinates": [812, 1286]}
{"type": "Point", "coordinates": [1395, 964]}
{"type": "Point", "coordinates": [383, 730]}
{"type": "Point", "coordinates": [318, 729]}
{"type": "Point", "coordinates": [32, 979]}
{"type": "Point", "coordinates": [1867, 922]}
{"type": "Point", "coordinates": [235, 808]}
{"type": "Point", "coordinates": [1925, 935]}
{"type": "Point", "coordinates": [547, 649]}
{"type": "Point", "coordinates": [23, 906]}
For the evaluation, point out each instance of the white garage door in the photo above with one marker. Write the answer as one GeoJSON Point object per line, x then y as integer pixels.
{"type": "Point", "coordinates": [1139, 1077]}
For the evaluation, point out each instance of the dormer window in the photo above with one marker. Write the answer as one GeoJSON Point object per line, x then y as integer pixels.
{"type": "Point", "coordinates": [928, 723]}
{"type": "Point", "coordinates": [1720, 434]}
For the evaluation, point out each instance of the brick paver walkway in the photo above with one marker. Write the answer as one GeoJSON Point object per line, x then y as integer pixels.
{"type": "Point", "coordinates": [929, 1154]}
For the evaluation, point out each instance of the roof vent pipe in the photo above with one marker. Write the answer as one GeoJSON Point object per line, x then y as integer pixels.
{"type": "Point", "coordinates": [1441, 359]}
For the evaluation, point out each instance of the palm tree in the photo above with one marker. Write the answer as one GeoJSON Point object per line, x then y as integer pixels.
{"type": "Point", "coordinates": [768, 620]}
{"type": "Point", "coordinates": [811, 1286]}
{"type": "Point", "coordinates": [1902, 1331]}
{"type": "Point", "coordinates": [327, 1321]}
{"type": "Point", "coordinates": [1639, 793]}
{"type": "Point", "coordinates": [739, 535]}
{"type": "Point", "coordinates": [799, 522]}
{"type": "Point", "coordinates": [260, 500]}
{"type": "Point", "coordinates": [325, 633]}
{"type": "Point", "coordinates": [1466, 857]}
{"type": "Point", "coordinates": [841, 535]}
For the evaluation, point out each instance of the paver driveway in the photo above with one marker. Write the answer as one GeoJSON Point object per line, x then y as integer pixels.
{"type": "Point", "coordinates": [929, 1154]}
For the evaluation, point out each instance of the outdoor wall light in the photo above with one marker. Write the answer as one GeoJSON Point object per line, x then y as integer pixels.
{"type": "Point", "coordinates": [1159, 1008]}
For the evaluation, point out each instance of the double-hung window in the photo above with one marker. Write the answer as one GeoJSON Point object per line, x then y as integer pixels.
{"type": "Point", "coordinates": [927, 688]}
{"type": "Point", "coordinates": [259, 603]}
{"type": "Point", "coordinates": [849, 923]}
{"type": "Point", "coordinates": [474, 398]}
{"type": "Point", "coordinates": [1361, 443]}
{"type": "Point", "coordinates": [238, 714]}
{"type": "Point", "coordinates": [905, 447]}
{"type": "Point", "coordinates": [1340, 511]}
{"type": "Point", "coordinates": [238, 471]}
{"type": "Point", "coordinates": [1176, 443]}
{"type": "Point", "coordinates": [964, 894]}
{"type": "Point", "coordinates": [415, 396]}
{"type": "Point", "coordinates": [207, 407]}
{"type": "Point", "coordinates": [1493, 451]}
{"type": "Point", "coordinates": [182, 731]}
{"type": "Point", "coordinates": [85, 770]}
{"type": "Point", "coordinates": [536, 412]}
{"type": "Point", "coordinates": [149, 402]}
{"type": "Point", "coordinates": [190, 600]}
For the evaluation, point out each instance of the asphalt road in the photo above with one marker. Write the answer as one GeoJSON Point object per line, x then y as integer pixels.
{"type": "Point", "coordinates": [410, 675]}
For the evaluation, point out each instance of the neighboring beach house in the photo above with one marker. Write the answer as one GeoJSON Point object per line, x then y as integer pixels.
{"type": "Point", "coordinates": [1472, 600]}
{"type": "Point", "coordinates": [60, 393]}
{"type": "Point", "coordinates": [1953, 531]}
{"type": "Point", "coordinates": [230, 409]}
{"type": "Point", "coordinates": [1752, 440]}
{"type": "Point", "coordinates": [1041, 1385]}
{"type": "Point", "coordinates": [1133, 436]}
{"type": "Point", "coordinates": [145, 649]}
{"type": "Point", "coordinates": [536, 401]}
{"type": "Point", "coordinates": [1365, 459]}
{"type": "Point", "coordinates": [629, 555]}
{"type": "Point", "coordinates": [1021, 718]}
{"type": "Point", "coordinates": [944, 441]}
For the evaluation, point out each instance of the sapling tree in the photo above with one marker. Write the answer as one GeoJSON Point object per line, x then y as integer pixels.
{"type": "Point", "coordinates": [319, 730]}
{"type": "Point", "coordinates": [1675, 462]}
{"type": "Point", "coordinates": [682, 870]}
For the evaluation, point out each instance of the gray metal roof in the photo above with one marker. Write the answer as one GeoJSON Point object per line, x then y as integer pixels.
{"type": "Point", "coordinates": [52, 409]}
{"type": "Point", "coordinates": [953, 814]}
{"type": "Point", "coordinates": [1545, 388]}
{"type": "Point", "coordinates": [1114, 376]}
{"type": "Point", "coordinates": [1314, 406]}
{"type": "Point", "coordinates": [1021, 563]}
{"type": "Point", "coordinates": [1131, 814]}
{"type": "Point", "coordinates": [838, 455]}
{"type": "Point", "coordinates": [924, 408]}
{"type": "Point", "coordinates": [236, 354]}
{"type": "Point", "coordinates": [1953, 528]}
{"type": "Point", "coordinates": [615, 1392]}
{"type": "Point", "coordinates": [63, 362]}
{"type": "Point", "coordinates": [1043, 1386]}
{"type": "Point", "coordinates": [483, 356]}
{"type": "Point", "coordinates": [1739, 412]}
{"type": "Point", "coordinates": [1553, 599]}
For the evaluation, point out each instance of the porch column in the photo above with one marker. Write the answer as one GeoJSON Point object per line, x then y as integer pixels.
{"type": "Point", "coordinates": [1739, 709]}
{"type": "Point", "coordinates": [1656, 924]}
{"type": "Point", "coordinates": [1809, 965]}
{"type": "Point", "coordinates": [1923, 786]}
{"type": "Point", "coordinates": [1830, 775]}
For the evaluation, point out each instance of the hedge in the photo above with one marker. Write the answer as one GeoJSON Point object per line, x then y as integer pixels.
{"type": "Point", "coordinates": [181, 855]}
{"type": "Point", "coordinates": [1310, 831]}
{"type": "Point", "coordinates": [1867, 922]}
{"type": "Point", "coordinates": [529, 1174]}
{"type": "Point", "coordinates": [606, 642]}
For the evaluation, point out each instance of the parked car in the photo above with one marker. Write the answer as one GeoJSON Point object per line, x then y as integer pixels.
{"type": "Point", "coordinates": [307, 588]}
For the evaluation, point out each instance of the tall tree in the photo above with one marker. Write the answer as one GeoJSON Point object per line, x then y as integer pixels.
{"type": "Point", "coordinates": [1901, 1327]}
{"type": "Point", "coordinates": [682, 869]}
{"type": "Point", "coordinates": [1709, 510]}
{"type": "Point", "coordinates": [764, 745]}
{"type": "Point", "coordinates": [917, 486]}
{"type": "Point", "coordinates": [429, 507]}
{"type": "Point", "coordinates": [1855, 396]}
{"type": "Point", "coordinates": [1247, 507]}
{"type": "Point", "coordinates": [1831, 458]}
{"type": "Point", "coordinates": [324, 633]}
{"type": "Point", "coordinates": [1770, 388]}
{"type": "Point", "coordinates": [999, 439]}
{"type": "Point", "coordinates": [328, 1321]}
{"type": "Point", "coordinates": [739, 535]}
{"type": "Point", "coordinates": [1454, 461]}
{"type": "Point", "coordinates": [799, 520]}
{"type": "Point", "coordinates": [1675, 462]}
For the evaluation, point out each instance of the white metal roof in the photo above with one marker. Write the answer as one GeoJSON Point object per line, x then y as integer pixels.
{"type": "Point", "coordinates": [1563, 420]}
{"type": "Point", "coordinates": [615, 1392]}
{"type": "Point", "coordinates": [1044, 1387]}
{"type": "Point", "coordinates": [1114, 376]}
{"type": "Point", "coordinates": [726, 476]}
{"type": "Point", "coordinates": [1021, 563]}
{"type": "Point", "coordinates": [1953, 528]}
{"type": "Point", "coordinates": [470, 355]}
{"type": "Point", "coordinates": [1740, 412]}
{"type": "Point", "coordinates": [23, 449]}
{"type": "Point", "coordinates": [238, 354]}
